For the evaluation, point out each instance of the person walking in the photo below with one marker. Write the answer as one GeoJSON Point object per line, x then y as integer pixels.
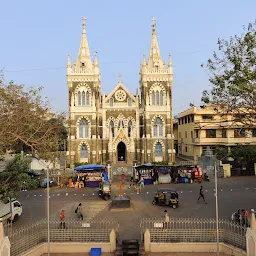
{"type": "Point", "coordinates": [201, 195]}
{"type": "Point", "coordinates": [141, 184]}
{"type": "Point", "coordinates": [79, 212]}
{"type": "Point", "coordinates": [166, 219]}
{"type": "Point", "coordinates": [123, 177]}
{"type": "Point", "coordinates": [62, 219]}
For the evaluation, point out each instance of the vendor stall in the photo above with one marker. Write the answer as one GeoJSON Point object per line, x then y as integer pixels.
{"type": "Point", "coordinates": [189, 174]}
{"type": "Point", "coordinates": [91, 175]}
{"type": "Point", "coordinates": [144, 171]}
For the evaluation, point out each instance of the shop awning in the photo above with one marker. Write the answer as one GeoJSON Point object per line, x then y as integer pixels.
{"type": "Point", "coordinates": [89, 167]}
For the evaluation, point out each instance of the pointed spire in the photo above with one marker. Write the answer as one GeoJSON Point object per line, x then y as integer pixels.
{"type": "Point", "coordinates": [170, 63]}
{"type": "Point", "coordinates": [69, 65]}
{"type": "Point", "coordinates": [144, 62]}
{"type": "Point", "coordinates": [155, 59]}
{"type": "Point", "coordinates": [96, 63]}
{"type": "Point", "coordinates": [84, 58]}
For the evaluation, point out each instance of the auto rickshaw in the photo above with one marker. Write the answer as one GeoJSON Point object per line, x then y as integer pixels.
{"type": "Point", "coordinates": [105, 190]}
{"type": "Point", "coordinates": [166, 196]}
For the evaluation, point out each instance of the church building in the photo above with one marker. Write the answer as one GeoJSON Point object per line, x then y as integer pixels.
{"type": "Point", "coordinates": [120, 127]}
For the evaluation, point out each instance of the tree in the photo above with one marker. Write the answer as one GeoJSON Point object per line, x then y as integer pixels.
{"type": "Point", "coordinates": [232, 72]}
{"type": "Point", "coordinates": [15, 177]}
{"type": "Point", "coordinates": [27, 120]}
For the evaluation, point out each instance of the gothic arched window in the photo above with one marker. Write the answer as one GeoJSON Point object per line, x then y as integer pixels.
{"type": "Point", "coordinates": [129, 128]}
{"type": "Point", "coordinates": [158, 149]}
{"type": "Point", "coordinates": [83, 151]}
{"type": "Point", "coordinates": [112, 128]}
{"type": "Point", "coordinates": [83, 128]}
{"type": "Point", "coordinates": [161, 98]}
{"type": "Point", "coordinates": [153, 98]}
{"type": "Point", "coordinates": [79, 98]}
{"type": "Point", "coordinates": [120, 124]}
{"type": "Point", "coordinates": [111, 102]}
{"type": "Point", "coordinates": [158, 127]}
{"type": "Point", "coordinates": [83, 98]}
{"type": "Point", "coordinates": [87, 98]}
{"type": "Point", "coordinates": [129, 102]}
{"type": "Point", "coordinates": [157, 97]}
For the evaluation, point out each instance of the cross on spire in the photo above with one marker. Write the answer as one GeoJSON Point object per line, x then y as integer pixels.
{"type": "Point", "coordinates": [120, 77]}
{"type": "Point", "coordinates": [153, 22]}
{"type": "Point", "coordinates": [84, 22]}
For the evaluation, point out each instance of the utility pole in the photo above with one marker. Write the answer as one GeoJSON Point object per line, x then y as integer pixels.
{"type": "Point", "coordinates": [217, 208]}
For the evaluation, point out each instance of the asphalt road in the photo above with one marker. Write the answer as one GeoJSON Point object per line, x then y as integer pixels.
{"type": "Point", "coordinates": [234, 193]}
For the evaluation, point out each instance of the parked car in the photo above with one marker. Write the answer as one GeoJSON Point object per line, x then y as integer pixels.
{"type": "Point", "coordinates": [52, 183]}
{"type": "Point", "coordinates": [33, 174]}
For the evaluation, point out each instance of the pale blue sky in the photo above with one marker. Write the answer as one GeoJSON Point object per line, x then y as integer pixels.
{"type": "Point", "coordinates": [36, 37]}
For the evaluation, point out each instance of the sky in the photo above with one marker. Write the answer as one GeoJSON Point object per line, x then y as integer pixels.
{"type": "Point", "coordinates": [36, 37]}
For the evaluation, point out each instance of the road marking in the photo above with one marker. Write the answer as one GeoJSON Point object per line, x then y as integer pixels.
{"type": "Point", "coordinates": [27, 195]}
{"type": "Point", "coordinates": [221, 190]}
{"type": "Point", "coordinates": [206, 191]}
{"type": "Point", "coordinates": [74, 194]}
{"type": "Point", "coordinates": [181, 192]}
{"type": "Point", "coordinates": [34, 195]}
{"type": "Point", "coordinates": [124, 193]}
{"type": "Point", "coordinates": [83, 194]}
{"type": "Point", "coordinates": [247, 188]}
{"type": "Point", "coordinates": [58, 194]}
{"type": "Point", "coordinates": [190, 191]}
{"type": "Point", "coordinates": [40, 195]}
{"type": "Point", "coordinates": [66, 194]}
{"type": "Point", "coordinates": [93, 194]}
{"type": "Point", "coordinates": [147, 193]}
{"type": "Point", "coordinates": [231, 189]}
{"type": "Point", "coordinates": [53, 195]}
{"type": "Point", "coordinates": [214, 189]}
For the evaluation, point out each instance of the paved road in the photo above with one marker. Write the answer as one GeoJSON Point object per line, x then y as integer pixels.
{"type": "Point", "coordinates": [234, 193]}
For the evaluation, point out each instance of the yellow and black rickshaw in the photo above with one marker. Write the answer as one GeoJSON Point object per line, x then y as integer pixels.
{"type": "Point", "coordinates": [105, 190]}
{"type": "Point", "coordinates": [166, 196]}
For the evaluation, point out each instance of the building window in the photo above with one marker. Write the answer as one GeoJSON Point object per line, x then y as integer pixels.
{"type": "Point", "coordinates": [159, 149]}
{"type": "Point", "coordinates": [239, 133]}
{"type": "Point", "coordinates": [179, 134]}
{"type": "Point", "coordinates": [158, 127]}
{"type": "Point", "coordinates": [211, 133]}
{"type": "Point", "coordinates": [161, 98]}
{"type": "Point", "coordinates": [129, 128]}
{"type": "Point", "coordinates": [88, 99]}
{"type": "Point", "coordinates": [83, 98]}
{"type": "Point", "coordinates": [186, 149]}
{"type": "Point", "coordinates": [224, 133]}
{"type": "Point", "coordinates": [112, 128]}
{"type": "Point", "coordinates": [186, 134]}
{"type": "Point", "coordinates": [153, 98]}
{"type": "Point", "coordinates": [191, 134]}
{"type": "Point", "coordinates": [83, 151]}
{"type": "Point", "coordinates": [129, 102]}
{"type": "Point", "coordinates": [157, 97]}
{"type": "Point", "coordinates": [182, 120]}
{"type": "Point", "coordinates": [79, 98]}
{"type": "Point", "coordinates": [207, 117]}
{"type": "Point", "coordinates": [192, 118]}
{"type": "Point", "coordinates": [253, 132]}
{"type": "Point", "coordinates": [197, 133]}
{"type": "Point", "coordinates": [179, 121]}
{"type": "Point", "coordinates": [111, 102]}
{"type": "Point", "coordinates": [83, 128]}
{"type": "Point", "coordinates": [120, 124]}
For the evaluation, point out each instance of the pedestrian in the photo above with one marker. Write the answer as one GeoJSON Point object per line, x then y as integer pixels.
{"type": "Point", "coordinates": [79, 212]}
{"type": "Point", "coordinates": [123, 177]}
{"type": "Point", "coordinates": [131, 182]}
{"type": "Point", "coordinates": [62, 219]}
{"type": "Point", "coordinates": [141, 183]}
{"type": "Point", "coordinates": [201, 195]}
{"type": "Point", "coordinates": [166, 219]}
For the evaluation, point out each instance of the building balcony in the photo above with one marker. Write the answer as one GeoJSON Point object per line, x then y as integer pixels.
{"type": "Point", "coordinates": [231, 141]}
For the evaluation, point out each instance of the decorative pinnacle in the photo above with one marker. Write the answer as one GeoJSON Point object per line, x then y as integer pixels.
{"type": "Point", "coordinates": [153, 23]}
{"type": "Point", "coordinates": [84, 22]}
{"type": "Point", "coordinates": [95, 55]}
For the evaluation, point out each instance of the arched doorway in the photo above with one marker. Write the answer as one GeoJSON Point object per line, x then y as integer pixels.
{"type": "Point", "coordinates": [121, 151]}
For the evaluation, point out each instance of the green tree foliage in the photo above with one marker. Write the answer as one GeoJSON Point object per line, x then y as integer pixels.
{"type": "Point", "coordinates": [15, 177]}
{"type": "Point", "coordinates": [245, 154]}
{"type": "Point", "coordinates": [232, 71]}
{"type": "Point", "coordinates": [221, 152]}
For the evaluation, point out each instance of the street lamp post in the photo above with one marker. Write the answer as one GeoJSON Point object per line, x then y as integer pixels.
{"type": "Point", "coordinates": [217, 208]}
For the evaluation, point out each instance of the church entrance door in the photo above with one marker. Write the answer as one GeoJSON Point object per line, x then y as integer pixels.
{"type": "Point", "coordinates": [121, 151]}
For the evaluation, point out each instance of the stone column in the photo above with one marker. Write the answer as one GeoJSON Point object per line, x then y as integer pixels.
{"type": "Point", "coordinates": [147, 241]}
{"type": "Point", "coordinates": [251, 236]}
{"type": "Point", "coordinates": [4, 242]}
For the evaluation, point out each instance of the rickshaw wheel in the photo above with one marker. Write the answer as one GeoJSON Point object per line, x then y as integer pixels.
{"type": "Point", "coordinates": [154, 202]}
{"type": "Point", "coordinates": [174, 206]}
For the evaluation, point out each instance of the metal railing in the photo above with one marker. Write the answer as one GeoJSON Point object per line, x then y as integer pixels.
{"type": "Point", "coordinates": [194, 230]}
{"type": "Point", "coordinates": [72, 230]}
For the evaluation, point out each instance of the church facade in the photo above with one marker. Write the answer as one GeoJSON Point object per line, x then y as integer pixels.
{"type": "Point", "coordinates": [120, 127]}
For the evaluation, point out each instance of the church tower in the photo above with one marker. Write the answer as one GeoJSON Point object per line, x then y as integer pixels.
{"type": "Point", "coordinates": [157, 142]}
{"type": "Point", "coordinates": [83, 79]}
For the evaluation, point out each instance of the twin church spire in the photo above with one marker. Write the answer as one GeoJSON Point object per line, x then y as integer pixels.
{"type": "Point", "coordinates": [84, 61]}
